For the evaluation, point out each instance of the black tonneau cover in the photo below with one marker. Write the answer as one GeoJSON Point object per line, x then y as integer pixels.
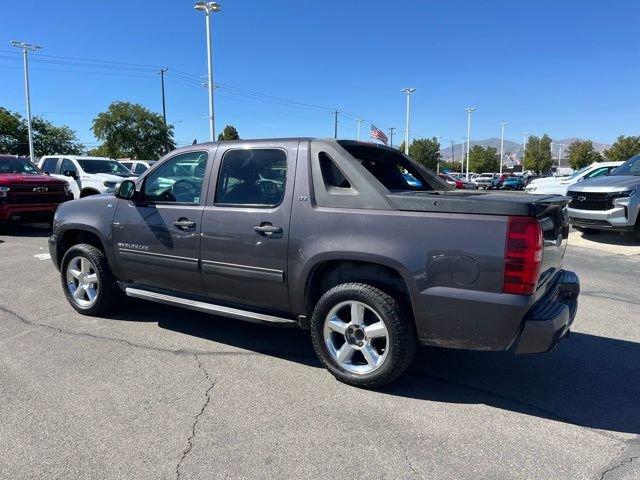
{"type": "Point", "coordinates": [474, 202]}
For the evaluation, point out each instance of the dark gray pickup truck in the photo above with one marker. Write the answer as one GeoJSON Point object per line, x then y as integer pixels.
{"type": "Point", "coordinates": [354, 241]}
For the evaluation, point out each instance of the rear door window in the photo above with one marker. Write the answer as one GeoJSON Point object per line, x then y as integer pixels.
{"type": "Point", "coordinates": [252, 177]}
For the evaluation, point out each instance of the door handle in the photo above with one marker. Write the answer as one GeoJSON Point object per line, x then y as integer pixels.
{"type": "Point", "coordinates": [184, 224]}
{"type": "Point", "coordinates": [267, 229]}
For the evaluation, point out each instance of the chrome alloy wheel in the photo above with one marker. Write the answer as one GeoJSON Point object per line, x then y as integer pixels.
{"type": "Point", "coordinates": [82, 281]}
{"type": "Point", "coordinates": [356, 337]}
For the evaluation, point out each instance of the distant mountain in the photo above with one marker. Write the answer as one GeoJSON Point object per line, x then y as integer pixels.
{"type": "Point", "coordinates": [511, 149]}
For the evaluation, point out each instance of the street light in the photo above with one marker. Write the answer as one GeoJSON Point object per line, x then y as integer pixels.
{"type": "Point", "coordinates": [359, 121]}
{"type": "Point", "coordinates": [27, 47]}
{"type": "Point", "coordinates": [407, 92]}
{"type": "Point", "coordinates": [524, 145]}
{"type": "Point", "coordinates": [503, 124]}
{"type": "Point", "coordinates": [560, 145]}
{"type": "Point", "coordinates": [208, 8]}
{"type": "Point", "coordinates": [468, 110]}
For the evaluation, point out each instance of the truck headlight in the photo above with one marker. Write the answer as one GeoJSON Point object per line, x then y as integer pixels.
{"type": "Point", "coordinates": [4, 191]}
{"type": "Point", "coordinates": [624, 193]}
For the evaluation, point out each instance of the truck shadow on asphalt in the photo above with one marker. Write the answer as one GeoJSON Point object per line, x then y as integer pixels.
{"type": "Point", "coordinates": [588, 380]}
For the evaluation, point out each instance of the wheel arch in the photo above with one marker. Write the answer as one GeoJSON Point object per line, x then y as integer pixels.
{"type": "Point", "coordinates": [328, 272]}
{"type": "Point", "coordinates": [75, 235]}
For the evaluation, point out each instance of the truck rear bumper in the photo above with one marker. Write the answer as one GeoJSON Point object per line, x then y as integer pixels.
{"type": "Point", "coordinates": [474, 320]}
{"type": "Point", "coordinates": [549, 319]}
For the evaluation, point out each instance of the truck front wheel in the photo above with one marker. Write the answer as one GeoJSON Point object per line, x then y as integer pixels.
{"type": "Point", "coordinates": [87, 280]}
{"type": "Point", "coordinates": [362, 335]}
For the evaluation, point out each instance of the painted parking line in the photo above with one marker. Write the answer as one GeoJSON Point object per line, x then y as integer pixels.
{"type": "Point", "coordinates": [43, 256]}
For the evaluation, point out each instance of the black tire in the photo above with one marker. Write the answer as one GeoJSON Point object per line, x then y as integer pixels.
{"type": "Point", "coordinates": [108, 293]}
{"type": "Point", "coordinates": [401, 344]}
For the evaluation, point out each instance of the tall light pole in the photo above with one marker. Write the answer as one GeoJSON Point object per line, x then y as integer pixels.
{"type": "Point", "coordinates": [208, 8]}
{"type": "Point", "coordinates": [391, 130]}
{"type": "Point", "coordinates": [359, 121]}
{"type": "Point", "coordinates": [468, 110]}
{"type": "Point", "coordinates": [26, 48]}
{"type": "Point", "coordinates": [407, 92]}
{"type": "Point", "coordinates": [503, 124]}
{"type": "Point", "coordinates": [560, 145]}
{"type": "Point", "coordinates": [524, 145]}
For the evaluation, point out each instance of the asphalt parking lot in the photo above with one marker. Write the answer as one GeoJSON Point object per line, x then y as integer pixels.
{"type": "Point", "coordinates": [157, 392]}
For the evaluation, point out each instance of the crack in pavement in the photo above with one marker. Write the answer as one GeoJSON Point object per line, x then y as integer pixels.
{"type": "Point", "coordinates": [207, 394]}
{"type": "Point", "coordinates": [179, 352]}
{"type": "Point", "coordinates": [620, 464]}
{"type": "Point", "coordinates": [596, 294]}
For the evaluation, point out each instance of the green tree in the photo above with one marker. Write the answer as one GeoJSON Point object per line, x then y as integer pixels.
{"type": "Point", "coordinates": [47, 138]}
{"type": "Point", "coordinates": [425, 151]}
{"type": "Point", "coordinates": [538, 154]}
{"type": "Point", "coordinates": [131, 130]}
{"type": "Point", "coordinates": [451, 166]}
{"type": "Point", "coordinates": [623, 149]}
{"type": "Point", "coordinates": [581, 153]}
{"type": "Point", "coordinates": [229, 133]}
{"type": "Point", "coordinates": [483, 159]}
{"type": "Point", "coordinates": [13, 133]}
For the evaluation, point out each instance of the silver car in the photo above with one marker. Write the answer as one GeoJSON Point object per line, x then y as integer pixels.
{"type": "Point", "coordinates": [608, 203]}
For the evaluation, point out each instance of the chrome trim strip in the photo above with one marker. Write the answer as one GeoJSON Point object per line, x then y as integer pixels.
{"type": "Point", "coordinates": [244, 267]}
{"type": "Point", "coordinates": [153, 254]}
{"type": "Point", "coordinates": [207, 307]}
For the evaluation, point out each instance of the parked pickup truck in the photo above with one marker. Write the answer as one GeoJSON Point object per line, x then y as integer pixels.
{"type": "Point", "coordinates": [26, 194]}
{"type": "Point", "coordinates": [354, 241]}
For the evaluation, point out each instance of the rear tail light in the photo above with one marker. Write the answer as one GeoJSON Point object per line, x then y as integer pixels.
{"type": "Point", "coordinates": [522, 255]}
{"type": "Point", "coordinates": [459, 184]}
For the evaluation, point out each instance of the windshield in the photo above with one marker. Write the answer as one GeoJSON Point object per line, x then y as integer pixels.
{"type": "Point", "coordinates": [630, 167]}
{"type": "Point", "coordinates": [18, 165]}
{"type": "Point", "coordinates": [579, 172]}
{"type": "Point", "coordinates": [104, 166]}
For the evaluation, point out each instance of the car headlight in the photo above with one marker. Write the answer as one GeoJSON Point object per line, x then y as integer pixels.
{"type": "Point", "coordinates": [531, 188]}
{"type": "Point", "coordinates": [109, 184]}
{"type": "Point", "coordinates": [4, 191]}
{"type": "Point", "coordinates": [624, 193]}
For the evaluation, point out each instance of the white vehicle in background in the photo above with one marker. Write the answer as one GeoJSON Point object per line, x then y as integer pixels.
{"type": "Point", "coordinates": [138, 167]}
{"type": "Point", "coordinates": [560, 185]}
{"type": "Point", "coordinates": [86, 175]}
{"type": "Point", "coordinates": [483, 180]}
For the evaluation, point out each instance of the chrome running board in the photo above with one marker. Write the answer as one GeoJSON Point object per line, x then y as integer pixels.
{"type": "Point", "coordinates": [208, 307]}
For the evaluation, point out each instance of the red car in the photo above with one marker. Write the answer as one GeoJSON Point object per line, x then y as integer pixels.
{"type": "Point", "coordinates": [27, 194]}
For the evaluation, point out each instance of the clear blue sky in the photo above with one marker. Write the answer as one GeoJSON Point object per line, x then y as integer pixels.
{"type": "Point", "coordinates": [567, 68]}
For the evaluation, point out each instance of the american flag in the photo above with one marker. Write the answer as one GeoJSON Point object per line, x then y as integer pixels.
{"type": "Point", "coordinates": [378, 134]}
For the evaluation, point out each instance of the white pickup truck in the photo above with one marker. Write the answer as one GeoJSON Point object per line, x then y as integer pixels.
{"type": "Point", "coordinates": [86, 175]}
{"type": "Point", "coordinates": [560, 185]}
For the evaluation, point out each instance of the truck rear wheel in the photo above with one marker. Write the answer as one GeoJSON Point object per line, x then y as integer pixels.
{"type": "Point", "coordinates": [362, 335]}
{"type": "Point", "coordinates": [87, 280]}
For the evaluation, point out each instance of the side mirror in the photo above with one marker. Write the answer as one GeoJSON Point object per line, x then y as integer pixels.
{"type": "Point", "coordinates": [70, 173]}
{"type": "Point", "coordinates": [126, 190]}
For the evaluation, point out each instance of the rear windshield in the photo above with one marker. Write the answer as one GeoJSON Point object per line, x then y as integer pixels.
{"type": "Point", "coordinates": [393, 170]}
{"type": "Point", "coordinates": [630, 167]}
{"type": "Point", "coordinates": [18, 165]}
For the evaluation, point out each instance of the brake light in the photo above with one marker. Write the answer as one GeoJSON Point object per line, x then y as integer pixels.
{"type": "Point", "coordinates": [522, 256]}
{"type": "Point", "coordinates": [459, 184]}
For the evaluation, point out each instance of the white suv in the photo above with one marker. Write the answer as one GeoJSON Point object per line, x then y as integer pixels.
{"type": "Point", "coordinates": [86, 175]}
{"type": "Point", "coordinates": [560, 185]}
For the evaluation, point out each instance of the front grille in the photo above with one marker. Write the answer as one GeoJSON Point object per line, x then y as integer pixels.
{"type": "Point", "coordinates": [591, 201]}
{"type": "Point", "coordinates": [39, 198]}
